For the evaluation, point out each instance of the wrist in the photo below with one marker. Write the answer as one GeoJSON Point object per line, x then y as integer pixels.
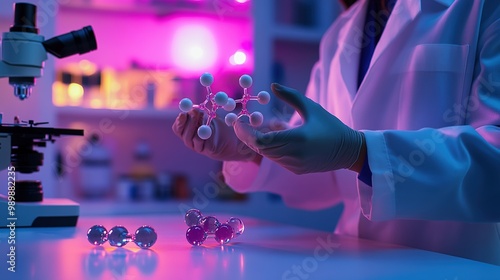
{"type": "Point", "coordinates": [358, 164]}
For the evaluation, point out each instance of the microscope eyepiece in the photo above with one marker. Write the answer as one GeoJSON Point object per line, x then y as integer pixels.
{"type": "Point", "coordinates": [24, 18]}
{"type": "Point", "coordinates": [23, 51]}
{"type": "Point", "coordinates": [75, 42]}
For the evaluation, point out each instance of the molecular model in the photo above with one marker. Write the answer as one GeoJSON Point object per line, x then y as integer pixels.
{"type": "Point", "coordinates": [213, 102]}
{"type": "Point", "coordinates": [200, 227]}
{"type": "Point", "coordinates": [118, 236]}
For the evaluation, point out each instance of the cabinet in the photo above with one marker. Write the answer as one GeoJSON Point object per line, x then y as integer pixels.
{"type": "Point", "coordinates": [287, 34]}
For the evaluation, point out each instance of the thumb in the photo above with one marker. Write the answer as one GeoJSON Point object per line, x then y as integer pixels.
{"type": "Point", "coordinates": [247, 134]}
{"type": "Point", "coordinates": [296, 99]}
{"type": "Point", "coordinates": [259, 141]}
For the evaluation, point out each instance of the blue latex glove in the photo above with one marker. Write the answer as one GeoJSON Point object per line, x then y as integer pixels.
{"type": "Point", "coordinates": [321, 143]}
{"type": "Point", "coordinates": [222, 145]}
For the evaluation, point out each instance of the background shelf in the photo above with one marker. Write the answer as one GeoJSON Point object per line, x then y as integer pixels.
{"type": "Point", "coordinates": [150, 113]}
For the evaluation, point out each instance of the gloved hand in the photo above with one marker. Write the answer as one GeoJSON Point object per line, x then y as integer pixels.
{"type": "Point", "coordinates": [321, 143]}
{"type": "Point", "coordinates": [222, 145]}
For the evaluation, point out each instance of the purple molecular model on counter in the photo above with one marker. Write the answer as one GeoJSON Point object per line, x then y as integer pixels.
{"type": "Point", "coordinates": [200, 227]}
{"type": "Point", "coordinates": [213, 102]}
{"type": "Point", "coordinates": [118, 236]}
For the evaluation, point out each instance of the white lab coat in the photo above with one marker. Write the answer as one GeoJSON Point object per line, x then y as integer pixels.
{"type": "Point", "coordinates": [430, 109]}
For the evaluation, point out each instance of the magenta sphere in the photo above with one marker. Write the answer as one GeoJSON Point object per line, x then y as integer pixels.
{"type": "Point", "coordinates": [223, 234]}
{"type": "Point", "coordinates": [195, 235]}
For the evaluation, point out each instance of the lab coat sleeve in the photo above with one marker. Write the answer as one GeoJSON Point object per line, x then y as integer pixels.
{"type": "Point", "coordinates": [450, 173]}
{"type": "Point", "coordinates": [310, 191]}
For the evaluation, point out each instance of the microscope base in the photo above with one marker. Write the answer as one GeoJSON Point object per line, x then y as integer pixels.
{"type": "Point", "coordinates": [51, 212]}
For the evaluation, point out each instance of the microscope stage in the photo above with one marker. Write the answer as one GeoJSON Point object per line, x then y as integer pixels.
{"type": "Point", "coordinates": [51, 212]}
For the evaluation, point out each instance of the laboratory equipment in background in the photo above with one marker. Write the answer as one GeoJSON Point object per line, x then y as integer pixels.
{"type": "Point", "coordinates": [23, 56]}
{"type": "Point", "coordinates": [163, 185]}
{"type": "Point", "coordinates": [141, 182]}
{"type": "Point", "coordinates": [95, 170]}
{"type": "Point", "coordinates": [24, 51]}
{"type": "Point", "coordinates": [25, 204]}
{"type": "Point", "coordinates": [85, 85]}
{"type": "Point", "coordinates": [143, 172]}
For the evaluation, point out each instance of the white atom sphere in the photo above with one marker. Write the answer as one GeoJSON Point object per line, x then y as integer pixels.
{"type": "Point", "coordinates": [221, 98]}
{"type": "Point", "coordinates": [204, 132]}
{"type": "Point", "coordinates": [186, 105]}
{"type": "Point", "coordinates": [230, 119]}
{"type": "Point", "coordinates": [206, 79]}
{"type": "Point", "coordinates": [230, 105]}
{"type": "Point", "coordinates": [263, 97]}
{"type": "Point", "coordinates": [245, 81]}
{"type": "Point", "coordinates": [256, 118]}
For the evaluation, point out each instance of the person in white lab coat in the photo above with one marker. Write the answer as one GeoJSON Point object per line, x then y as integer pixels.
{"type": "Point", "coordinates": [418, 122]}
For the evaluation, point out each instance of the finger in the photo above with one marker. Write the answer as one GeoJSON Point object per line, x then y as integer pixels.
{"type": "Point", "coordinates": [269, 142]}
{"type": "Point", "coordinates": [194, 120]}
{"type": "Point", "coordinates": [179, 124]}
{"type": "Point", "coordinates": [291, 163]}
{"type": "Point", "coordinates": [296, 99]}
{"type": "Point", "coordinates": [198, 143]}
{"type": "Point", "coordinates": [276, 124]}
{"type": "Point", "coordinates": [247, 134]}
{"type": "Point", "coordinates": [254, 138]}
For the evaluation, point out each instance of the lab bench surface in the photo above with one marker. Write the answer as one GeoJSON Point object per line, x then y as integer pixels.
{"type": "Point", "coordinates": [265, 251]}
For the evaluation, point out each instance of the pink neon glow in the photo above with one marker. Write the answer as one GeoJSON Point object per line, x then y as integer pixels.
{"type": "Point", "coordinates": [193, 48]}
{"type": "Point", "coordinates": [238, 58]}
{"type": "Point", "coordinates": [160, 41]}
{"type": "Point", "coordinates": [242, 1]}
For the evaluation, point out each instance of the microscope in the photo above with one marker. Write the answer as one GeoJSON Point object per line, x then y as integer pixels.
{"type": "Point", "coordinates": [23, 56]}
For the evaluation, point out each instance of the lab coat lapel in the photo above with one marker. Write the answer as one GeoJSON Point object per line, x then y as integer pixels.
{"type": "Point", "coordinates": [351, 40]}
{"type": "Point", "coordinates": [403, 13]}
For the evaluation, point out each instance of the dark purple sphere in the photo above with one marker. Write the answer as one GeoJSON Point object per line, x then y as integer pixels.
{"type": "Point", "coordinates": [195, 235]}
{"type": "Point", "coordinates": [223, 234]}
{"type": "Point", "coordinates": [209, 224]}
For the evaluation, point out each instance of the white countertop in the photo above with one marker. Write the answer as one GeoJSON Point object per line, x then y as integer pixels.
{"type": "Point", "coordinates": [265, 251]}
